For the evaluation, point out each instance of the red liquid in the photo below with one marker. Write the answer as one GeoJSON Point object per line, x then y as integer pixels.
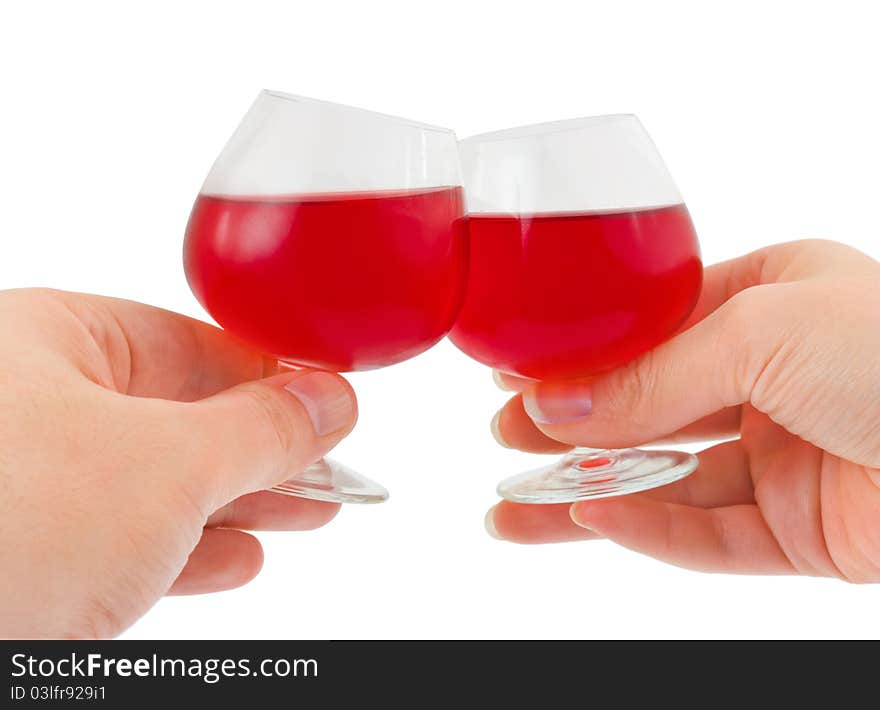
{"type": "Point", "coordinates": [340, 282]}
{"type": "Point", "coordinates": [569, 295]}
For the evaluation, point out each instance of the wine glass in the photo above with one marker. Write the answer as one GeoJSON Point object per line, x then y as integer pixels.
{"type": "Point", "coordinates": [582, 256]}
{"type": "Point", "coordinates": [331, 237]}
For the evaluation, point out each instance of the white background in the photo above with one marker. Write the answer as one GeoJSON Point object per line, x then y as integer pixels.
{"type": "Point", "coordinates": [768, 117]}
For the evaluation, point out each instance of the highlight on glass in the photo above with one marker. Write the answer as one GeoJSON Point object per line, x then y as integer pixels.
{"type": "Point", "coordinates": [331, 237]}
{"type": "Point", "coordinates": [582, 257]}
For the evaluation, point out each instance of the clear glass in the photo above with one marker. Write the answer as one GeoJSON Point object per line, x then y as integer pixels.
{"type": "Point", "coordinates": [331, 237]}
{"type": "Point", "coordinates": [582, 257]}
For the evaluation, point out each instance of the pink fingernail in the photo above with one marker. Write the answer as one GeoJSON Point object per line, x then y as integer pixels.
{"type": "Point", "coordinates": [326, 399]}
{"type": "Point", "coordinates": [494, 427]}
{"type": "Point", "coordinates": [498, 378]}
{"type": "Point", "coordinates": [573, 514]}
{"type": "Point", "coordinates": [489, 522]}
{"type": "Point", "coordinates": [558, 403]}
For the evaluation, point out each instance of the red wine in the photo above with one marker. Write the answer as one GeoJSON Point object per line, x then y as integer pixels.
{"type": "Point", "coordinates": [346, 281]}
{"type": "Point", "coordinates": [570, 295]}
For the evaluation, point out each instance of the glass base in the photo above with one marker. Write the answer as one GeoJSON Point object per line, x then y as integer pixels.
{"type": "Point", "coordinates": [590, 474]}
{"type": "Point", "coordinates": [332, 482]}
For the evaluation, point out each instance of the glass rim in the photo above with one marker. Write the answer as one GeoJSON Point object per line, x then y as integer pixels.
{"type": "Point", "coordinates": [374, 114]}
{"type": "Point", "coordinates": [533, 130]}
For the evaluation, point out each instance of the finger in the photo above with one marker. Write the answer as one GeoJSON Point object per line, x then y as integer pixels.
{"type": "Point", "coordinates": [534, 524]}
{"type": "Point", "coordinates": [222, 559]}
{"type": "Point", "coordinates": [267, 510]}
{"type": "Point", "coordinates": [513, 429]}
{"type": "Point", "coordinates": [731, 539]}
{"type": "Point", "coordinates": [256, 435]}
{"type": "Point", "coordinates": [723, 281]}
{"type": "Point", "coordinates": [718, 425]}
{"type": "Point", "coordinates": [723, 478]}
{"type": "Point", "coordinates": [778, 263]}
{"type": "Point", "coordinates": [158, 353]}
{"type": "Point", "coordinates": [710, 367]}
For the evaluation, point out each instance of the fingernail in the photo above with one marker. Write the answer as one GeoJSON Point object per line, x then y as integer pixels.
{"type": "Point", "coordinates": [499, 381]}
{"type": "Point", "coordinates": [496, 430]}
{"type": "Point", "coordinates": [489, 522]}
{"type": "Point", "coordinates": [573, 514]}
{"type": "Point", "coordinates": [326, 399]}
{"type": "Point", "coordinates": [558, 403]}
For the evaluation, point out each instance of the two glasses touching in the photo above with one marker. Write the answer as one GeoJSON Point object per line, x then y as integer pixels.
{"type": "Point", "coordinates": [342, 239]}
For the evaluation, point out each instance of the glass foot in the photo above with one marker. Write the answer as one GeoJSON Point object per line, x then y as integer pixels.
{"type": "Point", "coordinates": [585, 475]}
{"type": "Point", "coordinates": [330, 481]}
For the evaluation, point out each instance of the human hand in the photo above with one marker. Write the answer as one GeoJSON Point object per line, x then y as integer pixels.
{"type": "Point", "coordinates": [781, 351]}
{"type": "Point", "coordinates": [135, 446]}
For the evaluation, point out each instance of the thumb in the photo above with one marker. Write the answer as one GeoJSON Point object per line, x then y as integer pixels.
{"type": "Point", "coordinates": [712, 366]}
{"type": "Point", "coordinates": [258, 434]}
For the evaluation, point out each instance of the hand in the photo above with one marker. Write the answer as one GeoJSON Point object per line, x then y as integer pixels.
{"type": "Point", "coordinates": [782, 352]}
{"type": "Point", "coordinates": [135, 446]}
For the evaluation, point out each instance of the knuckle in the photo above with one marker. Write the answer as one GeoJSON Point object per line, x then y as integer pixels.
{"type": "Point", "coordinates": [274, 410]}
{"type": "Point", "coordinates": [173, 444]}
{"type": "Point", "coordinates": [821, 246]}
{"type": "Point", "coordinates": [97, 621]}
{"type": "Point", "coordinates": [741, 310]}
{"type": "Point", "coordinates": [811, 242]}
{"type": "Point", "coordinates": [634, 387]}
{"type": "Point", "coordinates": [742, 340]}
